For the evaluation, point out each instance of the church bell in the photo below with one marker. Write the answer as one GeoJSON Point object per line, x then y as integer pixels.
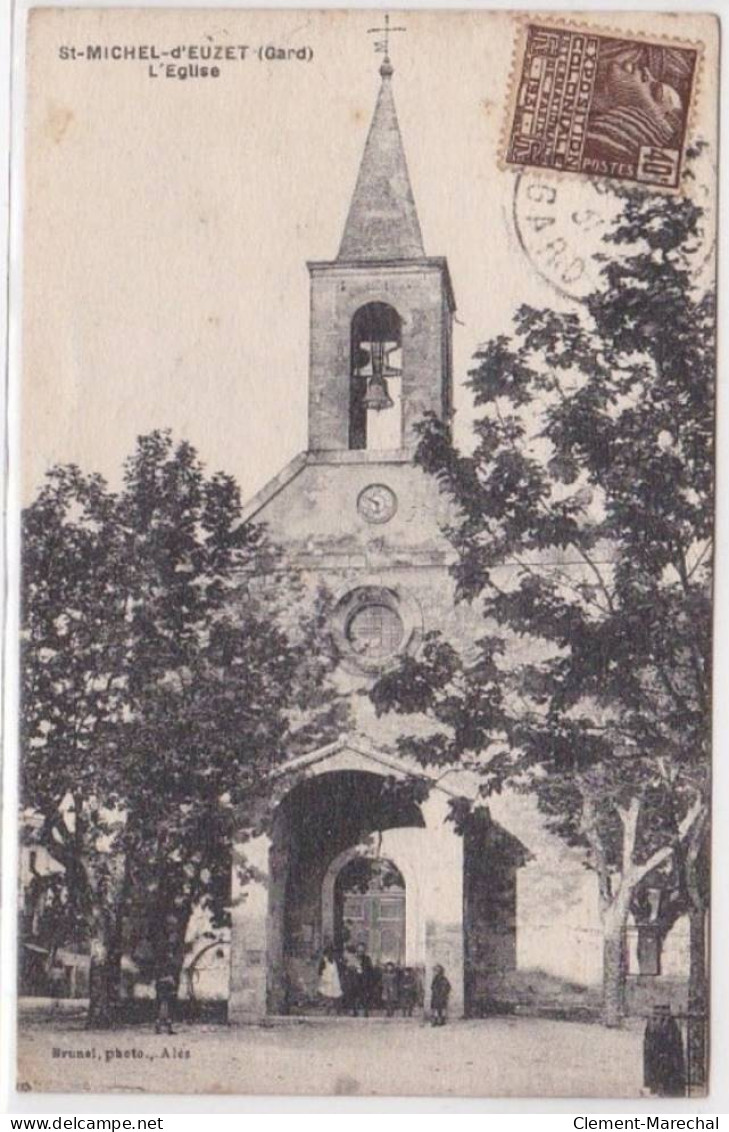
{"type": "Point", "coordinates": [376, 396]}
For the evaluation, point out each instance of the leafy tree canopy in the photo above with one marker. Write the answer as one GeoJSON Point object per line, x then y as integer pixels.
{"type": "Point", "coordinates": [161, 683]}
{"type": "Point", "coordinates": [582, 522]}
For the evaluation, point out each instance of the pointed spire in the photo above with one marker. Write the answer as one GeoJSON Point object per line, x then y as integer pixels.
{"type": "Point", "coordinates": [382, 221]}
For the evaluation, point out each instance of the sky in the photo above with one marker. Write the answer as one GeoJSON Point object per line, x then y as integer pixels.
{"type": "Point", "coordinates": [167, 224]}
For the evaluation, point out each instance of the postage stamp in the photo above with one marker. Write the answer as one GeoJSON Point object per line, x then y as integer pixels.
{"type": "Point", "coordinates": [601, 105]}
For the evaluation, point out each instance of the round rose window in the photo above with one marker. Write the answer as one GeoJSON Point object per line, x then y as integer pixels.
{"type": "Point", "coordinates": [374, 631]}
{"type": "Point", "coordinates": [372, 624]}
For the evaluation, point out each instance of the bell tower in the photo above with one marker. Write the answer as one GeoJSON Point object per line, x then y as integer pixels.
{"type": "Point", "coordinates": [381, 312]}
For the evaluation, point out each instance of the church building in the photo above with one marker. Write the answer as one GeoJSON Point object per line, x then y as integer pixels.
{"type": "Point", "coordinates": [507, 909]}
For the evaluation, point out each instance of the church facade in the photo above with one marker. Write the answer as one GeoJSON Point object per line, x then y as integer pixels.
{"type": "Point", "coordinates": [508, 910]}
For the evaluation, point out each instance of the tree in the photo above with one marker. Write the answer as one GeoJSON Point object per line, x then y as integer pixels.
{"type": "Point", "coordinates": [73, 647]}
{"type": "Point", "coordinates": [161, 684]}
{"type": "Point", "coordinates": [583, 526]}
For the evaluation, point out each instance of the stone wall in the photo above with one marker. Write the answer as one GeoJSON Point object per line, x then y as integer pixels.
{"type": "Point", "coordinates": [490, 913]}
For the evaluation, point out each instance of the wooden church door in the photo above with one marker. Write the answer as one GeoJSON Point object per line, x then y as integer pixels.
{"type": "Point", "coordinates": [373, 910]}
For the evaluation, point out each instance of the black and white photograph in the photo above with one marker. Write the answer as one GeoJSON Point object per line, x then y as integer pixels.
{"type": "Point", "coordinates": [365, 580]}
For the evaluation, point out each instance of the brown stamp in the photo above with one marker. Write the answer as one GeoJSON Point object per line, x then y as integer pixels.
{"type": "Point", "coordinates": [602, 105]}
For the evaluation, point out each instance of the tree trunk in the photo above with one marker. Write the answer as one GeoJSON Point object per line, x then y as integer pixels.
{"type": "Point", "coordinates": [104, 976]}
{"type": "Point", "coordinates": [696, 864]}
{"type": "Point", "coordinates": [698, 1003]}
{"type": "Point", "coordinates": [697, 970]}
{"type": "Point", "coordinates": [613, 972]}
{"type": "Point", "coordinates": [615, 919]}
{"type": "Point", "coordinates": [103, 994]}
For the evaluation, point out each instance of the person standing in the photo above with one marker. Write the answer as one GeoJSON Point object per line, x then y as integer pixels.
{"type": "Point", "coordinates": [361, 974]}
{"type": "Point", "coordinates": [440, 990]}
{"type": "Point", "coordinates": [330, 983]}
{"type": "Point", "coordinates": [408, 992]}
{"type": "Point", "coordinates": [664, 1065]}
{"type": "Point", "coordinates": [347, 976]}
{"type": "Point", "coordinates": [166, 990]}
{"type": "Point", "coordinates": [390, 989]}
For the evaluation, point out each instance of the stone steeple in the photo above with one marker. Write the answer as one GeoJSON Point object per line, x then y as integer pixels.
{"type": "Point", "coordinates": [383, 222]}
{"type": "Point", "coordinates": [381, 312]}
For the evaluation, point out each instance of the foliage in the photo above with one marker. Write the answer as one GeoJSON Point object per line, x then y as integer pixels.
{"type": "Point", "coordinates": [583, 524]}
{"type": "Point", "coordinates": [161, 685]}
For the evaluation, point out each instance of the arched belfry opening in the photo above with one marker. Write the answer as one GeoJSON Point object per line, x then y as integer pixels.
{"type": "Point", "coordinates": [375, 399]}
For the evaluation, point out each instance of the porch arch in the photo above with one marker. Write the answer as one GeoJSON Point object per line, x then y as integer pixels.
{"type": "Point", "coordinates": [341, 798]}
{"type": "Point", "coordinates": [320, 825]}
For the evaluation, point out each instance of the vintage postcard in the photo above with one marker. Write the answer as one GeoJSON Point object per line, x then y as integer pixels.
{"type": "Point", "coordinates": [367, 518]}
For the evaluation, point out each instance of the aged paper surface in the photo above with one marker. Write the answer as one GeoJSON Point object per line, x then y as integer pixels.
{"type": "Point", "coordinates": [378, 761]}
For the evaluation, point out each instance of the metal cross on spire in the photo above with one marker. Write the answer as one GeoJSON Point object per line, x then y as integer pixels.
{"type": "Point", "coordinates": [382, 46]}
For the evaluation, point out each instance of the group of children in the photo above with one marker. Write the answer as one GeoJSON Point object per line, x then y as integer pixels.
{"type": "Point", "coordinates": [349, 984]}
{"type": "Point", "coordinates": [399, 990]}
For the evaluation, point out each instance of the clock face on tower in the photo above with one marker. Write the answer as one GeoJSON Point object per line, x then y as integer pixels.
{"type": "Point", "coordinates": [377, 503]}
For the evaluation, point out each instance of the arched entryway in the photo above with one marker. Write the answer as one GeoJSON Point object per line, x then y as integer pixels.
{"type": "Point", "coordinates": [295, 886]}
{"type": "Point", "coordinates": [388, 868]}
{"type": "Point", "coordinates": [368, 907]}
{"type": "Point", "coordinates": [342, 871]}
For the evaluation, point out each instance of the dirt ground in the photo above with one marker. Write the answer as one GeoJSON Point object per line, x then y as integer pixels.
{"type": "Point", "coordinates": [490, 1058]}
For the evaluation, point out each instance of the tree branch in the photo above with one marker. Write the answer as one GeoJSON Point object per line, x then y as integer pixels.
{"type": "Point", "coordinates": [629, 819]}
{"type": "Point", "coordinates": [589, 828]}
{"type": "Point", "coordinates": [666, 851]}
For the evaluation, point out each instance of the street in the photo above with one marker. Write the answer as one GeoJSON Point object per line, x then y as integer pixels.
{"type": "Point", "coordinates": [494, 1057]}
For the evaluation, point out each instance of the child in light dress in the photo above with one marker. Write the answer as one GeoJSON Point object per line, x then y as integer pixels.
{"type": "Point", "coordinates": [330, 984]}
